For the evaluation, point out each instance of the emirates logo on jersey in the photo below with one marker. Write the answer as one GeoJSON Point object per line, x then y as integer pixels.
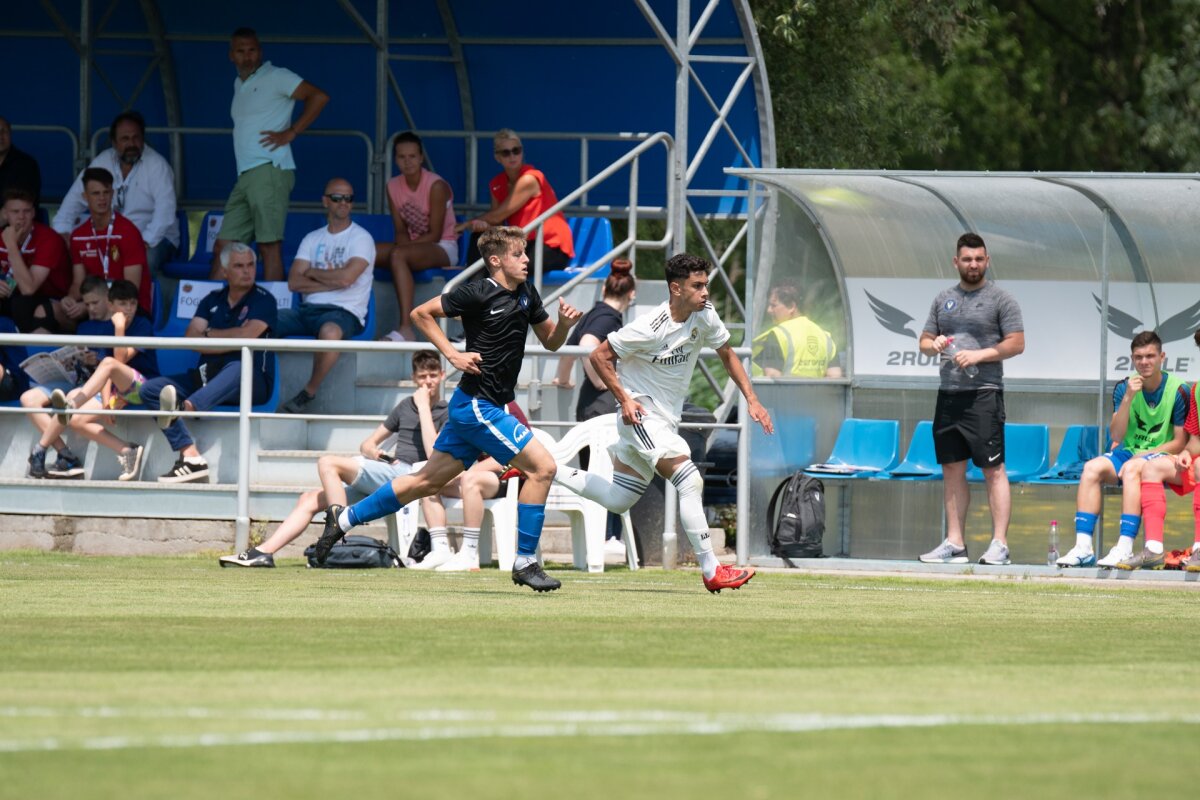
{"type": "Point", "coordinates": [678, 355]}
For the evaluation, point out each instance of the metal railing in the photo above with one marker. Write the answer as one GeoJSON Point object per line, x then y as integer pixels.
{"type": "Point", "coordinates": [245, 412]}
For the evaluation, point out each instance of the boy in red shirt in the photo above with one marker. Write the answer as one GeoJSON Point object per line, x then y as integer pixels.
{"type": "Point", "coordinates": [107, 245]}
{"type": "Point", "coordinates": [34, 271]}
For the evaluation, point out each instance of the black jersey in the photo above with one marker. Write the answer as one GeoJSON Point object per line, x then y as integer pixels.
{"type": "Point", "coordinates": [496, 322]}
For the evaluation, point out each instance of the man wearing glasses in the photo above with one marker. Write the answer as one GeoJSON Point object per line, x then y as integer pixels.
{"type": "Point", "coordinates": [264, 97]}
{"type": "Point", "coordinates": [143, 190]}
{"type": "Point", "coordinates": [332, 271]}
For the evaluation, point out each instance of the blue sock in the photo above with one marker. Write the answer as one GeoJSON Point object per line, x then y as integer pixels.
{"type": "Point", "coordinates": [377, 505]}
{"type": "Point", "coordinates": [529, 527]}
{"type": "Point", "coordinates": [1130, 524]}
{"type": "Point", "coordinates": [1085, 523]}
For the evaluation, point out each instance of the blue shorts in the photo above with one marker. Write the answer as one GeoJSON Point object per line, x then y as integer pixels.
{"type": "Point", "coordinates": [309, 317]}
{"type": "Point", "coordinates": [1118, 456]}
{"type": "Point", "coordinates": [477, 425]}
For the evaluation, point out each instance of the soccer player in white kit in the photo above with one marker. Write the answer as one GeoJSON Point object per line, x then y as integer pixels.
{"type": "Point", "coordinates": [657, 355]}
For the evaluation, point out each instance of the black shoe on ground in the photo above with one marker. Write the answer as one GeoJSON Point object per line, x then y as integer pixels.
{"type": "Point", "coordinates": [297, 404]}
{"type": "Point", "coordinates": [37, 465]}
{"type": "Point", "coordinates": [250, 558]}
{"type": "Point", "coordinates": [533, 576]}
{"type": "Point", "coordinates": [185, 471]}
{"type": "Point", "coordinates": [67, 465]}
{"type": "Point", "coordinates": [331, 534]}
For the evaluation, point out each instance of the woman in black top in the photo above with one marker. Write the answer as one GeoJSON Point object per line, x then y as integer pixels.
{"type": "Point", "coordinates": [620, 290]}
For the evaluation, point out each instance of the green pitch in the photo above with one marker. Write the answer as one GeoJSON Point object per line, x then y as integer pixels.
{"type": "Point", "coordinates": [171, 678]}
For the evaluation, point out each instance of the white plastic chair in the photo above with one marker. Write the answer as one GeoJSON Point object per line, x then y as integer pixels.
{"type": "Point", "coordinates": [589, 520]}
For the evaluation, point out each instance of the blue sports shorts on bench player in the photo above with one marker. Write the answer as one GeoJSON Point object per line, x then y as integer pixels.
{"type": "Point", "coordinates": [476, 425]}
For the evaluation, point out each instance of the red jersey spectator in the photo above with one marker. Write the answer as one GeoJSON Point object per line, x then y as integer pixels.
{"type": "Point", "coordinates": [34, 271]}
{"type": "Point", "coordinates": [107, 244]}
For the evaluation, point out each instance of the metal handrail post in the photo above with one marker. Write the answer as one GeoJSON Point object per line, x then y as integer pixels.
{"type": "Point", "coordinates": [743, 485]}
{"type": "Point", "coordinates": [245, 402]}
{"type": "Point", "coordinates": [1098, 544]}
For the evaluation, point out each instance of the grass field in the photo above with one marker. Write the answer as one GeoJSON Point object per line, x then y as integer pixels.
{"type": "Point", "coordinates": [170, 678]}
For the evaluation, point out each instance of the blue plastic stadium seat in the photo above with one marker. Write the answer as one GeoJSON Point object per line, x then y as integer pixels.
{"type": "Point", "coordinates": [1026, 452]}
{"type": "Point", "coordinates": [185, 235]}
{"type": "Point", "coordinates": [197, 267]}
{"type": "Point", "coordinates": [593, 239]}
{"type": "Point", "coordinates": [863, 448]}
{"type": "Point", "coordinates": [1079, 445]}
{"type": "Point", "coordinates": [920, 462]}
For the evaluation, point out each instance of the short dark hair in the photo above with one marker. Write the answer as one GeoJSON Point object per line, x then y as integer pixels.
{"type": "Point", "coordinates": [787, 294]}
{"type": "Point", "coordinates": [98, 174]}
{"type": "Point", "coordinates": [1145, 339]}
{"type": "Point", "coordinates": [18, 193]}
{"type": "Point", "coordinates": [969, 240]}
{"type": "Point", "coordinates": [93, 283]}
{"type": "Point", "coordinates": [126, 116]}
{"type": "Point", "coordinates": [122, 290]}
{"type": "Point", "coordinates": [426, 359]}
{"type": "Point", "coordinates": [680, 266]}
{"type": "Point", "coordinates": [244, 33]}
{"type": "Point", "coordinates": [411, 138]}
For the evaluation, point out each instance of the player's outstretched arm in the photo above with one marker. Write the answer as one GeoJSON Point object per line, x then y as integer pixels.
{"type": "Point", "coordinates": [733, 366]}
{"type": "Point", "coordinates": [425, 317]}
{"type": "Point", "coordinates": [604, 361]}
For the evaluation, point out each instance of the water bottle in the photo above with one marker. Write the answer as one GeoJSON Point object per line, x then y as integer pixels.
{"type": "Point", "coordinates": [1052, 549]}
{"type": "Point", "coordinates": [952, 347]}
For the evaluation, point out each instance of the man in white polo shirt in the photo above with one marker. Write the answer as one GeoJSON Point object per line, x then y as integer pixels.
{"type": "Point", "coordinates": [143, 190]}
{"type": "Point", "coordinates": [333, 271]}
{"type": "Point", "coordinates": [263, 99]}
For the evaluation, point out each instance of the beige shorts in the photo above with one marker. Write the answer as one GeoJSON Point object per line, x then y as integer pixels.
{"type": "Point", "coordinates": [643, 445]}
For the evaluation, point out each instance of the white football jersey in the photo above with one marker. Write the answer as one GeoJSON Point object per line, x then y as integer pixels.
{"type": "Point", "coordinates": [658, 355]}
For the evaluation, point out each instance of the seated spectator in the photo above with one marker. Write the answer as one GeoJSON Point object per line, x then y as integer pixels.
{"type": "Point", "coordinates": [1150, 409]}
{"type": "Point", "coordinates": [608, 315]}
{"type": "Point", "coordinates": [794, 346]}
{"type": "Point", "coordinates": [332, 271]}
{"type": "Point", "coordinates": [242, 310]}
{"type": "Point", "coordinates": [117, 382]}
{"type": "Point", "coordinates": [411, 429]}
{"type": "Point", "coordinates": [13, 380]}
{"type": "Point", "coordinates": [18, 169]}
{"type": "Point", "coordinates": [483, 481]}
{"type": "Point", "coordinates": [143, 190]}
{"type": "Point", "coordinates": [422, 207]}
{"type": "Point", "coordinates": [35, 274]}
{"type": "Point", "coordinates": [106, 244]}
{"type": "Point", "coordinates": [521, 194]}
{"type": "Point", "coordinates": [67, 464]}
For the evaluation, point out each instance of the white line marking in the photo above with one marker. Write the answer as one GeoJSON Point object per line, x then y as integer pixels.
{"type": "Point", "coordinates": [589, 724]}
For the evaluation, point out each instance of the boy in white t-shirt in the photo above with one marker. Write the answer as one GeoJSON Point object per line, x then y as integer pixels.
{"type": "Point", "coordinates": [658, 354]}
{"type": "Point", "coordinates": [332, 271]}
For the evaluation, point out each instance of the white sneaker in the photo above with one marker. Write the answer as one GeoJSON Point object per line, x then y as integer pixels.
{"type": "Point", "coordinates": [614, 547]}
{"type": "Point", "coordinates": [1078, 556]}
{"type": "Point", "coordinates": [462, 561]}
{"type": "Point", "coordinates": [167, 400]}
{"type": "Point", "coordinates": [1114, 557]}
{"type": "Point", "coordinates": [945, 553]}
{"type": "Point", "coordinates": [996, 555]}
{"type": "Point", "coordinates": [435, 559]}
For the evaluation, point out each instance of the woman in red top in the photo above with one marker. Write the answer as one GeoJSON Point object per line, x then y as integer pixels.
{"type": "Point", "coordinates": [521, 194]}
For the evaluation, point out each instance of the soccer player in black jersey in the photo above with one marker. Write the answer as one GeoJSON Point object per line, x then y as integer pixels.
{"type": "Point", "coordinates": [496, 313]}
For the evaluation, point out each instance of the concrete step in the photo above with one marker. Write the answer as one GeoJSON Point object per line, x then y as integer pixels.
{"type": "Point", "coordinates": [292, 467]}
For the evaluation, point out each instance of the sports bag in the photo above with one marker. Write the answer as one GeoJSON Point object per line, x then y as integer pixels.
{"type": "Point", "coordinates": [801, 524]}
{"type": "Point", "coordinates": [356, 552]}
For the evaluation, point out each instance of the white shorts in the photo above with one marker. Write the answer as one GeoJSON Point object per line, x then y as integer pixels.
{"type": "Point", "coordinates": [642, 446]}
{"type": "Point", "coordinates": [450, 247]}
{"type": "Point", "coordinates": [373, 474]}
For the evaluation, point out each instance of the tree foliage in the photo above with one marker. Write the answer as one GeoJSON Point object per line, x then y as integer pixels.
{"type": "Point", "coordinates": [966, 84]}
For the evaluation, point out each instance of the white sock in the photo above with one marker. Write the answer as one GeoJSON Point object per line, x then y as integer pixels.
{"type": "Point", "coordinates": [1196, 547]}
{"type": "Point", "coordinates": [1124, 545]}
{"type": "Point", "coordinates": [617, 495]}
{"type": "Point", "coordinates": [1083, 542]}
{"type": "Point", "coordinates": [438, 539]}
{"type": "Point", "coordinates": [521, 562]}
{"type": "Point", "coordinates": [470, 541]}
{"type": "Point", "coordinates": [691, 514]}
{"type": "Point", "coordinates": [343, 520]}
{"type": "Point", "coordinates": [1154, 547]}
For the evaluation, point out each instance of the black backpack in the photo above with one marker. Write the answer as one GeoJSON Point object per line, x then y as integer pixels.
{"type": "Point", "coordinates": [356, 552]}
{"type": "Point", "coordinates": [801, 524]}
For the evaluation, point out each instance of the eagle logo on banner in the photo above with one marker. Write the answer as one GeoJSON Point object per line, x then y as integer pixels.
{"type": "Point", "coordinates": [1172, 329]}
{"type": "Point", "coordinates": [890, 317]}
